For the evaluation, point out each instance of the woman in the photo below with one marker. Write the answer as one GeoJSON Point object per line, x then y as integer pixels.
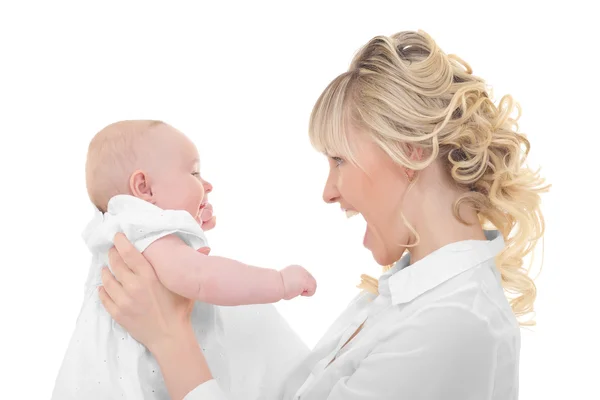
{"type": "Point", "coordinates": [418, 148]}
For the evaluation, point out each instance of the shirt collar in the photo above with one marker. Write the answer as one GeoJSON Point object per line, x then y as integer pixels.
{"type": "Point", "coordinates": [124, 202]}
{"type": "Point", "coordinates": [404, 282]}
{"type": "Point", "coordinates": [97, 227]}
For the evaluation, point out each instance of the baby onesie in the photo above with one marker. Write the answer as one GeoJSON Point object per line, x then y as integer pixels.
{"type": "Point", "coordinates": [103, 361]}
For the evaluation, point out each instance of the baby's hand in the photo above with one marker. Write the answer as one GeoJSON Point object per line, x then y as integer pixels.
{"type": "Point", "coordinates": [297, 281]}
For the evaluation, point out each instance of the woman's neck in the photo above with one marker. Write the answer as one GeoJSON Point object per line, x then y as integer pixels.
{"type": "Point", "coordinates": [439, 227]}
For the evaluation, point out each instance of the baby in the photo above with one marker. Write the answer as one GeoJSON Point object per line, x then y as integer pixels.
{"type": "Point", "coordinates": [143, 178]}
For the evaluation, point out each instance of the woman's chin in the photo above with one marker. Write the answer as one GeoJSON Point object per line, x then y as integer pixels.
{"type": "Point", "coordinates": [383, 261]}
{"type": "Point", "coordinates": [384, 257]}
{"type": "Point", "coordinates": [379, 256]}
{"type": "Point", "coordinates": [379, 251]}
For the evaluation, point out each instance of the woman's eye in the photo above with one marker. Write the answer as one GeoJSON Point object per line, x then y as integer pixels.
{"type": "Point", "coordinates": [196, 174]}
{"type": "Point", "coordinates": [337, 160]}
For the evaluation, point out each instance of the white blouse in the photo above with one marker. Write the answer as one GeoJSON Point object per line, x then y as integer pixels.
{"type": "Point", "coordinates": [440, 328]}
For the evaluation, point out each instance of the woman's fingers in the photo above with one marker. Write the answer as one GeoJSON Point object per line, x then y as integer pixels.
{"type": "Point", "coordinates": [113, 288]}
{"type": "Point", "coordinates": [122, 272]}
{"type": "Point", "coordinates": [108, 303]}
{"type": "Point", "coordinates": [134, 260]}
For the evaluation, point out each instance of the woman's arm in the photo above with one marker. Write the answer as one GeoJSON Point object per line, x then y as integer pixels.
{"type": "Point", "coordinates": [184, 367]}
{"type": "Point", "coordinates": [157, 318]}
{"type": "Point", "coordinates": [442, 353]}
{"type": "Point", "coordinates": [160, 319]}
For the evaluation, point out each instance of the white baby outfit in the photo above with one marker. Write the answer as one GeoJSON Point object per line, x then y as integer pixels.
{"type": "Point", "coordinates": [103, 362]}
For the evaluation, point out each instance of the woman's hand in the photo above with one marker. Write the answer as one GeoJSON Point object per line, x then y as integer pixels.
{"type": "Point", "coordinates": [139, 302]}
{"type": "Point", "coordinates": [154, 316]}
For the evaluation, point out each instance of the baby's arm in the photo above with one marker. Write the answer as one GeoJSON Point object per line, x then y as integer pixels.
{"type": "Point", "coordinates": [215, 280]}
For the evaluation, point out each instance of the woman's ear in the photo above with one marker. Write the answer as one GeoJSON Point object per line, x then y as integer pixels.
{"type": "Point", "coordinates": [139, 184]}
{"type": "Point", "coordinates": [415, 152]}
{"type": "Point", "coordinates": [410, 174]}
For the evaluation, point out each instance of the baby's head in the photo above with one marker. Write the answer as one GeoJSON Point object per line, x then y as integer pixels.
{"type": "Point", "coordinates": [147, 159]}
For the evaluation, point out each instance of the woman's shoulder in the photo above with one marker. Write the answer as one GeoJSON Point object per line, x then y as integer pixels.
{"type": "Point", "coordinates": [470, 308]}
{"type": "Point", "coordinates": [448, 328]}
{"type": "Point", "coordinates": [474, 295]}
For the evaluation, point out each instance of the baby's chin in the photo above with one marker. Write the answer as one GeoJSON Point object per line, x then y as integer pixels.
{"type": "Point", "coordinates": [206, 213]}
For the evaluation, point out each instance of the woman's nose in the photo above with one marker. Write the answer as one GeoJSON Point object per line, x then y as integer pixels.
{"type": "Point", "coordinates": [330, 192]}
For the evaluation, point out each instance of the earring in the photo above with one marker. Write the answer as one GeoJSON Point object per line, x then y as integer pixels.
{"type": "Point", "coordinates": [408, 176]}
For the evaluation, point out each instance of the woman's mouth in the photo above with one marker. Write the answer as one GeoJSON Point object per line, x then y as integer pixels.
{"type": "Point", "coordinates": [350, 213]}
{"type": "Point", "coordinates": [353, 213]}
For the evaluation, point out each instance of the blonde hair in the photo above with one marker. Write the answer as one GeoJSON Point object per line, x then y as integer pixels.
{"type": "Point", "coordinates": [406, 92]}
{"type": "Point", "coordinates": [112, 157]}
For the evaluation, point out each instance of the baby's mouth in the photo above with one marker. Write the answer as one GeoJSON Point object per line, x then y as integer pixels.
{"type": "Point", "coordinates": [199, 213]}
{"type": "Point", "coordinates": [204, 212]}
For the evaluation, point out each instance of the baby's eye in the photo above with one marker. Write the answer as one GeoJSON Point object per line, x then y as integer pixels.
{"type": "Point", "coordinates": [196, 174]}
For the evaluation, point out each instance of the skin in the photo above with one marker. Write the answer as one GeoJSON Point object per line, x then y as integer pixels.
{"type": "Point", "coordinates": [378, 190]}
{"type": "Point", "coordinates": [170, 178]}
{"type": "Point", "coordinates": [172, 181]}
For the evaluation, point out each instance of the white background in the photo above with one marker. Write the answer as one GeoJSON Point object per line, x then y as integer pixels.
{"type": "Point", "coordinates": [240, 79]}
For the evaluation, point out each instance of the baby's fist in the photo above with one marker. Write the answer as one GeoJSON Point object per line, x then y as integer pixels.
{"type": "Point", "coordinates": [297, 281]}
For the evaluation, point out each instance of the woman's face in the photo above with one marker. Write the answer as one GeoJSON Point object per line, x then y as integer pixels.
{"type": "Point", "coordinates": [374, 188]}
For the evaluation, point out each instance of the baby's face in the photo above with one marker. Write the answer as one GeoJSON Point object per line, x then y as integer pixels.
{"type": "Point", "coordinates": [176, 182]}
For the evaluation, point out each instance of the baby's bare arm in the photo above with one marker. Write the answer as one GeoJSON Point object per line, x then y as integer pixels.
{"type": "Point", "coordinates": [211, 279]}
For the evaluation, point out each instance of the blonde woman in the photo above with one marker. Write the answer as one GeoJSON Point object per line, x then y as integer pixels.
{"type": "Point", "coordinates": [416, 145]}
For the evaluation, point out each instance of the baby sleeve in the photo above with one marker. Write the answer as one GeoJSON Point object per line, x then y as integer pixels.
{"type": "Point", "coordinates": [142, 223]}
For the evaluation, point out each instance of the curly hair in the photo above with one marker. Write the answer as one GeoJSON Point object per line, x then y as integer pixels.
{"type": "Point", "coordinates": [406, 92]}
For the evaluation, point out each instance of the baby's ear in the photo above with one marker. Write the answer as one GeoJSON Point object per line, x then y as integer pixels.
{"type": "Point", "coordinates": [139, 185]}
